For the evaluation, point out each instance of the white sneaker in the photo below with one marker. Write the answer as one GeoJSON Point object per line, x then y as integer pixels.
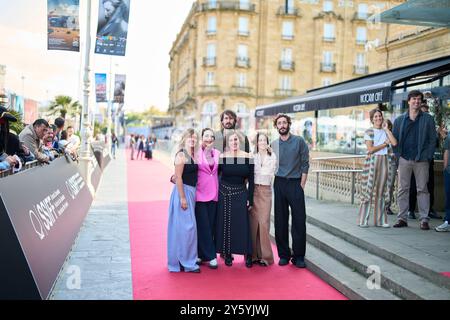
{"type": "Point", "coordinates": [363, 225]}
{"type": "Point", "coordinates": [443, 227]}
{"type": "Point", "coordinates": [213, 264]}
{"type": "Point", "coordinates": [199, 261]}
{"type": "Point", "coordinates": [385, 225]}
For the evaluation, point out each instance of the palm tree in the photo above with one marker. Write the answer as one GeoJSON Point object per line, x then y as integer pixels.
{"type": "Point", "coordinates": [64, 105]}
{"type": "Point", "coordinates": [17, 126]}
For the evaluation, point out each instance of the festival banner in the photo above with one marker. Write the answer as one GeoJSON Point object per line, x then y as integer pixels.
{"type": "Point", "coordinates": [112, 28]}
{"type": "Point", "coordinates": [63, 25]}
{"type": "Point", "coordinates": [119, 88]}
{"type": "Point", "coordinates": [100, 87]}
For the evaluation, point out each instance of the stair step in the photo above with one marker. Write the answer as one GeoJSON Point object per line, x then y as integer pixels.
{"type": "Point", "coordinates": [347, 281]}
{"type": "Point", "coordinates": [409, 248]}
{"type": "Point", "coordinates": [396, 279]}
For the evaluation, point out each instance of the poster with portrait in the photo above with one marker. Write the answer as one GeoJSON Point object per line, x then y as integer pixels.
{"type": "Point", "coordinates": [112, 28]}
{"type": "Point", "coordinates": [100, 87]}
{"type": "Point", "coordinates": [119, 88]}
{"type": "Point", "coordinates": [63, 25]}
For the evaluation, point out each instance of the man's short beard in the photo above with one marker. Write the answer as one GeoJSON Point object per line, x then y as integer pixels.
{"type": "Point", "coordinates": [288, 129]}
{"type": "Point", "coordinates": [232, 126]}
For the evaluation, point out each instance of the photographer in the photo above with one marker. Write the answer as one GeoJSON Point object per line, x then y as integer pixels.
{"type": "Point", "coordinates": [6, 161]}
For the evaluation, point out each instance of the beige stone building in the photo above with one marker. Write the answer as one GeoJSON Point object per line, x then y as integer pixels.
{"type": "Point", "coordinates": [240, 54]}
{"type": "Point", "coordinates": [2, 78]}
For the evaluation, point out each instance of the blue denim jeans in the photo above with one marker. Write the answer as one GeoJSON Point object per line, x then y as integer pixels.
{"type": "Point", "coordinates": [447, 195]}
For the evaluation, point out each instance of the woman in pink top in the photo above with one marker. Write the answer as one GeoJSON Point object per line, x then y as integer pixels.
{"type": "Point", "coordinates": [206, 198]}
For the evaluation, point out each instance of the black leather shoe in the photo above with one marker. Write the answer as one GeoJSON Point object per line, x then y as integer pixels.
{"type": "Point", "coordinates": [433, 215]}
{"type": "Point", "coordinates": [248, 261]}
{"type": "Point", "coordinates": [299, 262]}
{"type": "Point", "coordinates": [400, 224]}
{"type": "Point", "coordinates": [411, 215]}
{"type": "Point", "coordinates": [228, 260]}
{"type": "Point", "coordinates": [195, 271]}
{"type": "Point", "coordinates": [283, 262]}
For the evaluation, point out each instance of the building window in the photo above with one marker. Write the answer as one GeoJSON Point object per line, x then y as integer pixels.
{"type": "Point", "coordinates": [210, 78]}
{"type": "Point", "coordinates": [327, 6]}
{"type": "Point", "coordinates": [209, 114]}
{"type": "Point", "coordinates": [244, 4]}
{"type": "Point", "coordinates": [241, 80]}
{"type": "Point", "coordinates": [211, 50]}
{"type": "Point", "coordinates": [362, 11]}
{"type": "Point", "coordinates": [326, 82]}
{"type": "Point", "coordinates": [243, 26]}
{"type": "Point", "coordinates": [212, 25]}
{"type": "Point", "coordinates": [242, 59]}
{"type": "Point", "coordinates": [328, 32]}
{"type": "Point", "coordinates": [286, 62]}
{"type": "Point", "coordinates": [212, 4]}
{"type": "Point", "coordinates": [360, 59]}
{"type": "Point", "coordinates": [289, 7]}
{"type": "Point", "coordinates": [288, 30]}
{"type": "Point", "coordinates": [361, 35]}
{"type": "Point", "coordinates": [242, 51]}
{"type": "Point", "coordinates": [210, 59]}
{"type": "Point", "coordinates": [285, 83]}
{"type": "Point", "coordinates": [361, 65]}
{"type": "Point", "coordinates": [327, 64]}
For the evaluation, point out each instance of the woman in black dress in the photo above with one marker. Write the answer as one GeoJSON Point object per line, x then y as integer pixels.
{"type": "Point", "coordinates": [236, 169]}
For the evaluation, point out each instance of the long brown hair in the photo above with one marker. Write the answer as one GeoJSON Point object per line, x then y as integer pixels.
{"type": "Point", "coordinates": [257, 140]}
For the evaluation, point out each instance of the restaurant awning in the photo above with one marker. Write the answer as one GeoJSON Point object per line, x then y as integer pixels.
{"type": "Point", "coordinates": [431, 13]}
{"type": "Point", "coordinates": [372, 89]}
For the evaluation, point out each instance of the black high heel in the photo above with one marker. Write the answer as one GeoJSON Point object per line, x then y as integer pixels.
{"type": "Point", "coordinates": [228, 260]}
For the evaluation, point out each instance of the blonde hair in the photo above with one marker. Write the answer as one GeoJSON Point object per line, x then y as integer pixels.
{"type": "Point", "coordinates": [187, 134]}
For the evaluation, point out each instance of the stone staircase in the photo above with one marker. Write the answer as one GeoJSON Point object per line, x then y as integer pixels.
{"type": "Point", "coordinates": [411, 262]}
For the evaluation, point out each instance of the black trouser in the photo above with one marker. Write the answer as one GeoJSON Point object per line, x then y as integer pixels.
{"type": "Point", "coordinates": [430, 186]}
{"type": "Point", "coordinates": [289, 193]}
{"type": "Point", "coordinates": [205, 215]}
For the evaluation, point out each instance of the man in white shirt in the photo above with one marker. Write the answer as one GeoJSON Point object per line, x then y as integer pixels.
{"type": "Point", "coordinates": [72, 138]}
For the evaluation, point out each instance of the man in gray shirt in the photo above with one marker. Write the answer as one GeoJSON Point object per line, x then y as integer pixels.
{"type": "Point", "coordinates": [290, 180]}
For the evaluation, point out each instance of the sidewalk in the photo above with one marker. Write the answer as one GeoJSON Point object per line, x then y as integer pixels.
{"type": "Point", "coordinates": [102, 250]}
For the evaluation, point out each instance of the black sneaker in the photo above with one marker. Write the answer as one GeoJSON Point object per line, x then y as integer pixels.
{"type": "Point", "coordinates": [283, 262]}
{"type": "Point", "coordinates": [411, 215]}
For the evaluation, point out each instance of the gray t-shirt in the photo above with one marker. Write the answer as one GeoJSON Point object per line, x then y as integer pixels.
{"type": "Point", "coordinates": [447, 147]}
{"type": "Point", "coordinates": [293, 157]}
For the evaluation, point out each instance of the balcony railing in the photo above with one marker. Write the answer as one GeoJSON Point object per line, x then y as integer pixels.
{"type": "Point", "coordinates": [241, 91]}
{"type": "Point", "coordinates": [327, 67]}
{"type": "Point", "coordinates": [243, 62]}
{"type": "Point", "coordinates": [288, 11]}
{"type": "Point", "coordinates": [287, 65]}
{"type": "Point", "coordinates": [360, 70]}
{"type": "Point", "coordinates": [244, 33]}
{"type": "Point", "coordinates": [361, 42]}
{"type": "Point", "coordinates": [287, 36]}
{"type": "Point", "coordinates": [227, 5]}
{"type": "Point", "coordinates": [209, 90]}
{"type": "Point", "coordinates": [329, 39]}
{"type": "Point", "coordinates": [211, 32]}
{"type": "Point", "coordinates": [209, 62]}
{"type": "Point", "coordinates": [285, 92]}
{"type": "Point", "coordinates": [362, 16]}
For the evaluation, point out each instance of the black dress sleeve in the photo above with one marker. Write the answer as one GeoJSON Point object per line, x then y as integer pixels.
{"type": "Point", "coordinates": [251, 182]}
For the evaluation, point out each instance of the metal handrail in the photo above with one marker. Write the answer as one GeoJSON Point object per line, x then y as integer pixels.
{"type": "Point", "coordinates": [340, 157]}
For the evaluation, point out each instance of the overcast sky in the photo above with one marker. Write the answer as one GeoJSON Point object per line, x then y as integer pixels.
{"type": "Point", "coordinates": [153, 27]}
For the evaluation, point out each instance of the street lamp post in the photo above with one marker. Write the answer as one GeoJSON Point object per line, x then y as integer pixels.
{"type": "Point", "coordinates": [85, 152]}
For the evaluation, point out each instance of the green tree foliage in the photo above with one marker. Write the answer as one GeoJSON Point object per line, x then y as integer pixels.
{"type": "Point", "coordinates": [65, 106]}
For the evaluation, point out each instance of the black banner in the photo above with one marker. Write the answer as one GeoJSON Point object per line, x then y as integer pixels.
{"type": "Point", "coordinates": [41, 212]}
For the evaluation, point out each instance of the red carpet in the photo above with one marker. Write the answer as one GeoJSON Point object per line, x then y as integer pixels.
{"type": "Point", "coordinates": [148, 194]}
{"type": "Point", "coordinates": [446, 274]}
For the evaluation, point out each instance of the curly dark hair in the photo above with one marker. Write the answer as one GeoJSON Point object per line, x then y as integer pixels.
{"type": "Point", "coordinates": [282, 115]}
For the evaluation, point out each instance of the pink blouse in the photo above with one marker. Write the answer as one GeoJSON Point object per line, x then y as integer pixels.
{"type": "Point", "coordinates": [208, 181]}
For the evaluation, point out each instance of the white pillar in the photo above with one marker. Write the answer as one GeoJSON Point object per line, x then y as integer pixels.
{"type": "Point", "coordinates": [86, 131]}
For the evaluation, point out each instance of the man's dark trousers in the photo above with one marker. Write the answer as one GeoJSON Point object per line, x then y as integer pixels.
{"type": "Point", "coordinates": [289, 193]}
